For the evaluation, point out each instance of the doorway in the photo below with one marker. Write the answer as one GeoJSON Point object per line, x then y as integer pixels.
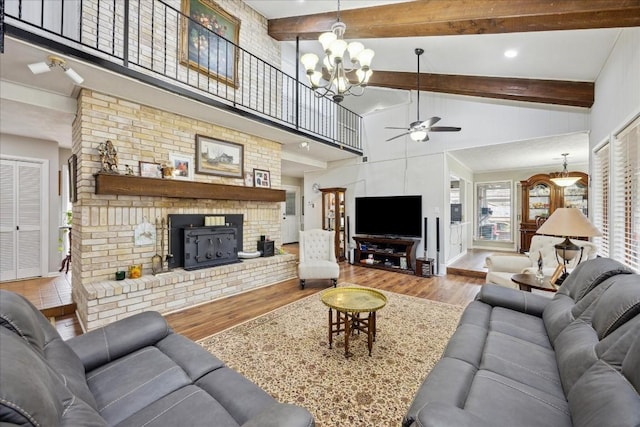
{"type": "Point", "coordinates": [290, 214]}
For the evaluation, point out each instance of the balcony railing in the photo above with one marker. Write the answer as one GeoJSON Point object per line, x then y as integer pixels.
{"type": "Point", "coordinates": [153, 38]}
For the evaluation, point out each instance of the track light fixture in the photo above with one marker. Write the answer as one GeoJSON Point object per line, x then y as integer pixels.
{"type": "Point", "coordinates": [53, 61]}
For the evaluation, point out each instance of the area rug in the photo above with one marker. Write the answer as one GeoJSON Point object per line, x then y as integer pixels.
{"type": "Point", "coordinates": [286, 353]}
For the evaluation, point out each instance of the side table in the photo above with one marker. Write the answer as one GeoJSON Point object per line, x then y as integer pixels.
{"type": "Point", "coordinates": [528, 281]}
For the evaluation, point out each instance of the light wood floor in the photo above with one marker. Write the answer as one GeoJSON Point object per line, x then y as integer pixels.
{"type": "Point", "coordinates": [204, 320]}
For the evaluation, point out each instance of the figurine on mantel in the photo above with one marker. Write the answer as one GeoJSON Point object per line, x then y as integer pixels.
{"type": "Point", "coordinates": [108, 157]}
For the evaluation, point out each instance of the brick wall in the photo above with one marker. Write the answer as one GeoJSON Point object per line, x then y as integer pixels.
{"type": "Point", "coordinates": [103, 226]}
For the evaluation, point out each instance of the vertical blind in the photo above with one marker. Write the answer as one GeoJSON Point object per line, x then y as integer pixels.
{"type": "Point", "coordinates": [600, 182]}
{"type": "Point", "coordinates": [626, 197]}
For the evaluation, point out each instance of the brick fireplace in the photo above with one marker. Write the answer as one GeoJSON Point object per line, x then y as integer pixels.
{"type": "Point", "coordinates": [103, 224]}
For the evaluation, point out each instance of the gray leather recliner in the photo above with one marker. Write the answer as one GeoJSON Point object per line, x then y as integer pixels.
{"type": "Point", "coordinates": [520, 359]}
{"type": "Point", "coordinates": [133, 372]}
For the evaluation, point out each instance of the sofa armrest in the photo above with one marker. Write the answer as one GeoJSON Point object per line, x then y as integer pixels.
{"type": "Point", "coordinates": [507, 263]}
{"type": "Point", "coordinates": [100, 346]}
{"type": "Point", "coordinates": [282, 415]}
{"type": "Point", "coordinates": [438, 414]}
{"type": "Point", "coordinates": [513, 299]}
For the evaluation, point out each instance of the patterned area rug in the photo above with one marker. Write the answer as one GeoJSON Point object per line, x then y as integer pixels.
{"type": "Point", "coordinates": [286, 352]}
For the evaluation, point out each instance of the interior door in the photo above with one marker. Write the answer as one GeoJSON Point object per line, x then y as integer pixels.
{"type": "Point", "coordinates": [20, 219]}
{"type": "Point", "coordinates": [290, 214]}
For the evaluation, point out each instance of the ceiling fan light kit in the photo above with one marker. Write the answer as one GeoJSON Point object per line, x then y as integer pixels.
{"type": "Point", "coordinates": [337, 85]}
{"type": "Point", "coordinates": [419, 130]}
{"type": "Point", "coordinates": [56, 61]}
{"type": "Point", "coordinates": [563, 179]}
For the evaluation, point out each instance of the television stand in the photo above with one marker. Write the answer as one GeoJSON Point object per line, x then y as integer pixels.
{"type": "Point", "coordinates": [385, 253]}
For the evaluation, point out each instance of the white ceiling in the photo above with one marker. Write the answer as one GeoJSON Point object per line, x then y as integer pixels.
{"type": "Point", "coordinates": [563, 55]}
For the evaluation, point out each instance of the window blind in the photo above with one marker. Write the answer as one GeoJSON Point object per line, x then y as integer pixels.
{"type": "Point", "coordinates": [600, 183]}
{"type": "Point", "coordinates": [626, 210]}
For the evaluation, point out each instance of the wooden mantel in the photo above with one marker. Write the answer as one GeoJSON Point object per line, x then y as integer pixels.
{"type": "Point", "coordinates": [128, 185]}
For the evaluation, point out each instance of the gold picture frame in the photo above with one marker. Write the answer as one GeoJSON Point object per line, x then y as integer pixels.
{"type": "Point", "coordinates": [209, 40]}
{"type": "Point", "coordinates": [556, 274]}
{"type": "Point", "coordinates": [217, 157]}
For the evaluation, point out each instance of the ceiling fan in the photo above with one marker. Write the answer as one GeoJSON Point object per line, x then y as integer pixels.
{"type": "Point", "coordinates": [419, 129]}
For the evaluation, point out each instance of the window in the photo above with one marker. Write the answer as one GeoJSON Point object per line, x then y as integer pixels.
{"type": "Point", "coordinates": [600, 182]}
{"type": "Point", "coordinates": [625, 239]}
{"type": "Point", "coordinates": [494, 211]}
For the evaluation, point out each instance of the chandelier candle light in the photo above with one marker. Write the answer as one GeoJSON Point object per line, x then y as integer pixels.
{"type": "Point", "coordinates": [337, 85]}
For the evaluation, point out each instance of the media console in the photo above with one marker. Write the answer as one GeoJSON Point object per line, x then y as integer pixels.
{"type": "Point", "coordinates": [393, 254]}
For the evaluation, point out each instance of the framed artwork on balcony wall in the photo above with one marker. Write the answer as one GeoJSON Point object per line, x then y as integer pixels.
{"type": "Point", "coordinates": [261, 178]}
{"type": "Point", "coordinates": [209, 40]}
{"type": "Point", "coordinates": [216, 157]}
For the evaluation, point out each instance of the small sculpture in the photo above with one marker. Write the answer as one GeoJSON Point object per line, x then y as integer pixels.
{"type": "Point", "coordinates": [108, 157]}
{"type": "Point", "coordinates": [167, 171]}
{"type": "Point", "coordinates": [128, 170]}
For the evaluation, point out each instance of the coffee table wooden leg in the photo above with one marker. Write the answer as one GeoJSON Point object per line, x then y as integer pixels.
{"type": "Point", "coordinates": [331, 327]}
{"type": "Point", "coordinates": [370, 331]}
{"type": "Point", "coordinates": [347, 332]}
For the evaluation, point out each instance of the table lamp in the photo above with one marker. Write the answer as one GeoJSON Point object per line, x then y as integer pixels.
{"type": "Point", "coordinates": [568, 222]}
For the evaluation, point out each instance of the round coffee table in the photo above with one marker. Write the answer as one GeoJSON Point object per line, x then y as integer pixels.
{"type": "Point", "coordinates": [349, 302]}
{"type": "Point", "coordinates": [528, 281]}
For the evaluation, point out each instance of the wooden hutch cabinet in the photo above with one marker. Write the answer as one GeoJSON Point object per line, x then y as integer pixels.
{"type": "Point", "coordinates": [541, 197]}
{"type": "Point", "coordinates": [333, 218]}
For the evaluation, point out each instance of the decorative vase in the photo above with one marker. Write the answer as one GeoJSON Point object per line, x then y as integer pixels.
{"type": "Point", "coordinates": [135, 271]}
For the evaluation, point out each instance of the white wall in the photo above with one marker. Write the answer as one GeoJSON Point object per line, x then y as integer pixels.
{"type": "Point", "coordinates": [402, 167]}
{"type": "Point", "coordinates": [13, 145]}
{"type": "Point", "coordinates": [617, 91]}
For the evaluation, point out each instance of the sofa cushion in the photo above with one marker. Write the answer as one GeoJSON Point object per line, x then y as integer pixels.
{"type": "Point", "coordinates": [129, 384]}
{"type": "Point", "coordinates": [587, 276]}
{"type": "Point", "coordinates": [608, 392]}
{"type": "Point", "coordinates": [618, 304]}
{"type": "Point", "coordinates": [22, 318]}
{"type": "Point", "coordinates": [187, 406]}
{"type": "Point", "coordinates": [505, 402]}
{"type": "Point", "coordinates": [31, 393]}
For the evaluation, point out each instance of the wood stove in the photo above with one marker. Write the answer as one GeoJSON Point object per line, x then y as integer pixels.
{"type": "Point", "coordinates": [182, 224]}
{"type": "Point", "coordinates": [209, 247]}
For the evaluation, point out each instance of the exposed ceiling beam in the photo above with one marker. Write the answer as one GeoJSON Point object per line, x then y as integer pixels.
{"type": "Point", "coordinates": [578, 94]}
{"type": "Point", "coordinates": [445, 17]}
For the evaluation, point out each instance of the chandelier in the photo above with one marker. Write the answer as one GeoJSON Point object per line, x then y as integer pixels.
{"type": "Point", "coordinates": [334, 82]}
{"type": "Point", "coordinates": [562, 179]}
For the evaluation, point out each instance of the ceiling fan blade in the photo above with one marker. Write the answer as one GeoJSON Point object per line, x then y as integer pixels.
{"type": "Point", "coordinates": [398, 136]}
{"type": "Point", "coordinates": [444, 129]}
{"type": "Point", "coordinates": [430, 122]}
{"type": "Point", "coordinates": [391, 127]}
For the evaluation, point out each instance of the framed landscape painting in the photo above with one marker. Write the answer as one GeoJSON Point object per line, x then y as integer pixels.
{"type": "Point", "coordinates": [216, 157]}
{"type": "Point", "coordinates": [208, 40]}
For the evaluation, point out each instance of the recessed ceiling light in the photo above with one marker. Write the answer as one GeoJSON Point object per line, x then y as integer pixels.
{"type": "Point", "coordinates": [510, 53]}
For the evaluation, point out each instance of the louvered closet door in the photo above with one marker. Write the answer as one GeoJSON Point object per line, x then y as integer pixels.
{"type": "Point", "coordinates": [8, 269]}
{"type": "Point", "coordinates": [20, 225]}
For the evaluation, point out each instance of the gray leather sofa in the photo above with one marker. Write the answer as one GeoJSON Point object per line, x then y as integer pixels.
{"type": "Point", "coordinates": [520, 359]}
{"type": "Point", "coordinates": [133, 372]}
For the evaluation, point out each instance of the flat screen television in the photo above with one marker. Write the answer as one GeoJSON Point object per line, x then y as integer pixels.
{"type": "Point", "coordinates": [399, 216]}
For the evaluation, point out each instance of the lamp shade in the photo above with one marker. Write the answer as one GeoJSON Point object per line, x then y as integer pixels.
{"type": "Point", "coordinates": [568, 222]}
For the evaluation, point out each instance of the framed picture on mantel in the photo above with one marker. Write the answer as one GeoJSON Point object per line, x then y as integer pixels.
{"type": "Point", "coordinates": [261, 178]}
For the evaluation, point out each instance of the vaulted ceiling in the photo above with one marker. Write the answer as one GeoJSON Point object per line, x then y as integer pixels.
{"type": "Point", "coordinates": [424, 18]}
